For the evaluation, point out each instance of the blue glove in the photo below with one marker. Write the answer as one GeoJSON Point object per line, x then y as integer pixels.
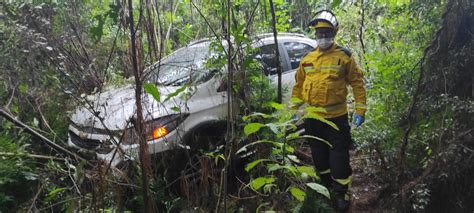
{"type": "Point", "coordinates": [295, 117]}
{"type": "Point", "coordinates": [358, 120]}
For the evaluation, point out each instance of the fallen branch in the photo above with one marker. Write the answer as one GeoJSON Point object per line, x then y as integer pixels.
{"type": "Point", "coordinates": [11, 97]}
{"type": "Point", "coordinates": [59, 203]}
{"type": "Point", "coordinates": [32, 156]}
{"type": "Point", "coordinates": [244, 198]}
{"type": "Point", "coordinates": [33, 202]}
{"type": "Point", "coordinates": [45, 140]}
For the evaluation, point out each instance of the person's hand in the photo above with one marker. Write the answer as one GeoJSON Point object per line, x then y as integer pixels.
{"type": "Point", "coordinates": [295, 117]}
{"type": "Point", "coordinates": [358, 120]}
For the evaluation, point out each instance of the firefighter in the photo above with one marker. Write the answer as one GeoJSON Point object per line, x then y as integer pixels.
{"type": "Point", "coordinates": [321, 80]}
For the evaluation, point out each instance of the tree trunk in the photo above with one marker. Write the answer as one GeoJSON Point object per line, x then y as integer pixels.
{"type": "Point", "coordinates": [275, 33]}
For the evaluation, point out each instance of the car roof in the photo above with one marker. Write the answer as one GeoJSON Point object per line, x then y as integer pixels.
{"type": "Point", "coordinates": [265, 37]}
{"type": "Point", "coordinates": [280, 35]}
{"type": "Point", "coordinates": [258, 40]}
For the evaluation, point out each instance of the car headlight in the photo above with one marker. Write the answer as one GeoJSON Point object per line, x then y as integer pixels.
{"type": "Point", "coordinates": [155, 129]}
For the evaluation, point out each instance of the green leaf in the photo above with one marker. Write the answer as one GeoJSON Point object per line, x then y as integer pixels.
{"type": "Point", "coordinates": [175, 93]}
{"type": "Point", "coordinates": [274, 128]}
{"type": "Point", "coordinates": [276, 106]}
{"type": "Point", "coordinates": [297, 193]}
{"type": "Point", "coordinates": [98, 31]}
{"type": "Point", "coordinates": [317, 138]}
{"type": "Point", "coordinates": [114, 12]}
{"type": "Point", "coordinates": [335, 3]}
{"type": "Point", "coordinates": [152, 90]}
{"type": "Point", "coordinates": [23, 88]}
{"type": "Point", "coordinates": [262, 206]}
{"type": "Point", "coordinates": [278, 2]}
{"type": "Point", "coordinates": [175, 109]}
{"type": "Point", "coordinates": [293, 158]}
{"type": "Point", "coordinates": [296, 100]}
{"type": "Point", "coordinates": [254, 163]}
{"type": "Point", "coordinates": [307, 169]}
{"type": "Point", "coordinates": [312, 113]}
{"type": "Point", "coordinates": [319, 188]}
{"type": "Point", "coordinates": [52, 194]}
{"type": "Point", "coordinates": [261, 181]}
{"type": "Point", "coordinates": [293, 136]}
{"type": "Point", "coordinates": [268, 188]}
{"type": "Point", "coordinates": [252, 128]}
{"type": "Point", "coordinates": [14, 109]}
{"type": "Point", "coordinates": [274, 167]}
{"type": "Point", "coordinates": [244, 148]}
{"type": "Point", "coordinates": [289, 149]}
{"type": "Point", "coordinates": [248, 61]}
{"type": "Point", "coordinates": [30, 175]}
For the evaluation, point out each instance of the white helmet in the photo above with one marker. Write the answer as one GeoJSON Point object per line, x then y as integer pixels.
{"type": "Point", "coordinates": [325, 18]}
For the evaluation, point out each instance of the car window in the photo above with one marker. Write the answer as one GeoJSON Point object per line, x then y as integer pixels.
{"type": "Point", "coordinates": [266, 55]}
{"type": "Point", "coordinates": [184, 66]}
{"type": "Point", "coordinates": [296, 50]}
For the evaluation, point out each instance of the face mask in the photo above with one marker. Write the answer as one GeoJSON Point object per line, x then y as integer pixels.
{"type": "Point", "coordinates": [324, 43]}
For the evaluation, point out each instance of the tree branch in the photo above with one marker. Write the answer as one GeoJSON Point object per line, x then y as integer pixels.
{"type": "Point", "coordinates": [47, 142]}
{"type": "Point", "coordinates": [272, 9]}
{"type": "Point", "coordinates": [140, 125]}
{"type": "Point", "coordinates": [31, 156]}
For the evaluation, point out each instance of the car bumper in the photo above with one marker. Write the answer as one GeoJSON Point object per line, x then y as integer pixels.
{"type": "Point", "coordinates": [94, 143]}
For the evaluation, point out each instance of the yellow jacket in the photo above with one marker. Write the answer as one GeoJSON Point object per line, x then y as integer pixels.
{"type": "Point", "coordinates": [322, 78]}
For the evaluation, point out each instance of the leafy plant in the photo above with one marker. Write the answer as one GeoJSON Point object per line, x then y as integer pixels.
{"type": "Point", "coordinates": [283, 173]}
{"type": "Point", "coordinates": [16, 174]}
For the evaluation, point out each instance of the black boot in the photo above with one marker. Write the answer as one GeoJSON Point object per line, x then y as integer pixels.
{"type": "Point", "coordinates": [343, 202]}
{"type": "Point", "coordinates": [342, 197]}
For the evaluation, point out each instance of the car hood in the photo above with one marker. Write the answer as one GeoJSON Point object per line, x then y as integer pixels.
{"type": "Point", "coordinates": [115, 108]}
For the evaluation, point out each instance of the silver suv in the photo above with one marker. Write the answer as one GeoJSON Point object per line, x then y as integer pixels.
{"type": "Point", "coordinates": [193, 100]}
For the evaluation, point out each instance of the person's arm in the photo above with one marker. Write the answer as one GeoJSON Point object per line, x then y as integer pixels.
{"type": "Point", "coordinates": [296, 93]}
{"type": "Point", "coordinates": [355, 78]}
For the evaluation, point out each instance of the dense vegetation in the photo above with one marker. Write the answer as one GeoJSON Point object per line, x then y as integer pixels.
{"type": "Point", "coordinates": [417, 143]}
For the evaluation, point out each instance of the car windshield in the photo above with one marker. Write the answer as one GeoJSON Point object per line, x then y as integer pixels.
{"type": "Point", "coordinates": [184, 66]}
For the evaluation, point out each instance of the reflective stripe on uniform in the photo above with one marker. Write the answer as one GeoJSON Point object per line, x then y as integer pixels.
{"type": "Point", "coordinates": [327, 171]}
{"type": "Point", "coordinates": [329, 67]}
{"type": "Point", "coordinates": [346, 181]}
{"type": "Point", "coordinates": [360, 106]}
{"type": "Point", "coordinates": [309, 69]}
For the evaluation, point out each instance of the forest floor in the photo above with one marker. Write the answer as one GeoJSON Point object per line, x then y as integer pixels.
{"type": "Point", "coordinates": [365, 190]}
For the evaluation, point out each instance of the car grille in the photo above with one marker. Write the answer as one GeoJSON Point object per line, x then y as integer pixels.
{"type": "Point", "coordinates": [83, 143]}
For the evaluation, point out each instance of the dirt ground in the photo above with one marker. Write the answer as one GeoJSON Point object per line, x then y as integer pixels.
{"type": "Point", "coordinates": [365, 190]}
